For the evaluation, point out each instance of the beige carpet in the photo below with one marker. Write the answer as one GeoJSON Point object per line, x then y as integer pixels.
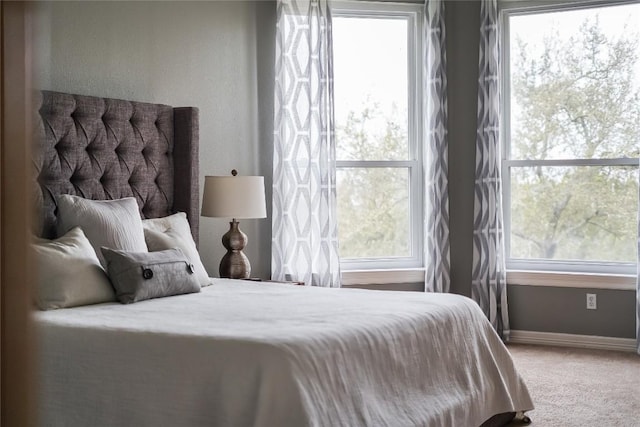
{"type": "Point", "coordinates": [580, 387]}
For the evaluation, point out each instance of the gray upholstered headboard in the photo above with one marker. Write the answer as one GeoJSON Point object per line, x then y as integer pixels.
{"type": "Point", "coordinates": [102, 148]}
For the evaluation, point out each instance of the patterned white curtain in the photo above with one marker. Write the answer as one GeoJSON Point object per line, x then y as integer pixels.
{"type": "Point", "coordinates": [436, 150]}
{"type": "Point", "coordinates": [489, 286]}
{"type": "Point", "coordinates": [638, 283]}
{"type": "Point", "coordinates": [304, 221]}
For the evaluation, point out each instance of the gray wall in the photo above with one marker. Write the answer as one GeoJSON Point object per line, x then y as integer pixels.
{"type": "Point", "coordinates": [462, 20]}
{"type": "Point", "coordinates": [563, 310]}
{"type": "Point", "coordinates": [531, 308]}
{"type": "Point", "coordinates": [217, 56]}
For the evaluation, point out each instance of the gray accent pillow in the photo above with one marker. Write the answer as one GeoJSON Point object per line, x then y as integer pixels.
{"type": "Point", "coordinates": [69, 273]}
{"type": "Point", "coordinates": [173, 231]}
{"type": "Point", "coordinates": [112, 223]}
{"type": "Point", "coordinates": [138, 276]}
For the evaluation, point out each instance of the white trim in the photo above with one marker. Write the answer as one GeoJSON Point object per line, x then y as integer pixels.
{"type": "Point", "coordinates": [373, 8]}
{"type": "Point", "coordinates": [623, 161]}
{"type": "Point", "coordinates": [571, 280]}
{"type": "Point", "coordinates": [572, 340]}
{"type": "Point", "coordinates": [382, 277]}
{"type": "Point", "coordinates": [601, 268]}
{"type": "Point", "coordinates": [535, 6]}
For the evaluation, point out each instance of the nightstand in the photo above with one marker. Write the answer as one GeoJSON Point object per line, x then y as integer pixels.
{"type": "Point", "coordinates": [257, 279]}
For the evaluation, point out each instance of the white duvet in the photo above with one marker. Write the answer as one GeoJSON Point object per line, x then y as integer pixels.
{"type": "Point", "coordinates": [262, 354]}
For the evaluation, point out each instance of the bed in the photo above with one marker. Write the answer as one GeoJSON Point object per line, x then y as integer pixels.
{"type": "Point", "coordinates": [240, 353]}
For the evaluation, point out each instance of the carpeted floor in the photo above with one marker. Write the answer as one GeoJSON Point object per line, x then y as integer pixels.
{"type": "Point", "coordinates": [580, 387]}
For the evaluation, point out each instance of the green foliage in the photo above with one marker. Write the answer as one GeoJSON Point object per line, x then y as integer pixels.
{"type": "Point", "coordinates": [373, 203]}
{"type": "Point", "coordinates": [371, 135]}
{"type": "Point", "coordinates": [576, 99]}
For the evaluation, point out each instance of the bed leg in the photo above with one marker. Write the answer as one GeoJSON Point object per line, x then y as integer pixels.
{"type": "Point", "coordinates": [522, 418]}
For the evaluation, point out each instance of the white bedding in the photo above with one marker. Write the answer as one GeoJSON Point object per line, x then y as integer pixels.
{"type": "Point", "coordinates": [254, 354]}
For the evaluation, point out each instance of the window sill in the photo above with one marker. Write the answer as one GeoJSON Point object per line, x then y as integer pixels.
{"type": "Point", "coordinates": [383, 277]}
{"type": "Point", "coordinates": [571, 280]}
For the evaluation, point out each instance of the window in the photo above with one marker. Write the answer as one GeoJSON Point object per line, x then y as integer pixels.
{"type": "Point", "coordinates": [571, 105]}
{"type": "Point", "coordinates": [377, 97]}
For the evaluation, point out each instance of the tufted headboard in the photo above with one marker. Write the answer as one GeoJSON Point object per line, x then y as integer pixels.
{"type": "Point", "coordinates": [102, 148]}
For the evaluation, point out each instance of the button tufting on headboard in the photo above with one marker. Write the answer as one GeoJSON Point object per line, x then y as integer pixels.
{"type": "Point", "coordinates": [103, 148]}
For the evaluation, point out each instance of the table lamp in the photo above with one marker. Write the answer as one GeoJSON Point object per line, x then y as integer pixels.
{"type": "Point", "coordinates": [235, 197]}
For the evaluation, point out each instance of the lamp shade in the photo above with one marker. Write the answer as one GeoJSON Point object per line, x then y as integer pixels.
{"type": "Point", "coordinates": [234, 197]}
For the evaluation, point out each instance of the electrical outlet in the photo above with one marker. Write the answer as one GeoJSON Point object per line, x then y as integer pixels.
{"type": "Point", "coordinates": [591, 302]}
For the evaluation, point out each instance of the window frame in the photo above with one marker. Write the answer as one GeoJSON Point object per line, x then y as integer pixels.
{"type": "Point", "coordinates": [413, 14]}
{"type": "Point", "coordinates": [507, 9]}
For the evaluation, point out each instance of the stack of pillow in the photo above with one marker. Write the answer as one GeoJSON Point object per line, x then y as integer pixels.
{"type": "Point", "coordinates": [105, 253]}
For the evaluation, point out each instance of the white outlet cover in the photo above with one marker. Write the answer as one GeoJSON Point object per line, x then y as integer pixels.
{"type": "Point", "coordinates": [592, 302]}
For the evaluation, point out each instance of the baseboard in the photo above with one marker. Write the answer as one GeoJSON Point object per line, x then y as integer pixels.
{"type": "Point", "coordinates": [572, 340]}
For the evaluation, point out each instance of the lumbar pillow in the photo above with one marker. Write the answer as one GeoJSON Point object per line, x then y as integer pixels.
{"type": "Point", "coordinates": [69, 273]}
{"type": "Point", "coordinates": [112, 223]}
{"type": "Point", "coordinates": [173, 231]}
{"type": "Point", "coordinates": [137, 276]}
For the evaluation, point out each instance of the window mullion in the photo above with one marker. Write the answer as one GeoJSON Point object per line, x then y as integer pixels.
{"type": "Point", "coordinates": [623, 161]}
{"type": "Point", "coordinates": [376, 163]}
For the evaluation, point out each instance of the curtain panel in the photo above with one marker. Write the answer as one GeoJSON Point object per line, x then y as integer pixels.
{"type": "Point", "coordinates": [304, 221]}
{"type": "Point", "coordinates": [489, 285]}
{"type": "Point", "coordinates": [638, 277]}
{"type": "Point", "coordinates": [436, 238]}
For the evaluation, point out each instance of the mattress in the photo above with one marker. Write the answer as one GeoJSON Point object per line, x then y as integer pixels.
{"type": "Point", "coordinates": [244, 353]}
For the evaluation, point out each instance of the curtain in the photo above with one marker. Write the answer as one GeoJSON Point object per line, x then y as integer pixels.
{"type": "Point", "coordinates": [436, 236]}
{"type": "Point", "coordinates": [638, 280]}
{"type": "Point", "coordinates": [304, 221]}
{"type": "Point", "coordinates": [488, 287]}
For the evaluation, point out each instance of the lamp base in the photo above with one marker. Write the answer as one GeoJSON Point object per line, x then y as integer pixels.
{"type": "Point", "coordinates": [234, 264]}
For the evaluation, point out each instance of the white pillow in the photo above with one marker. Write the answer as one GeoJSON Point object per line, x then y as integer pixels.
{"type": "Point", "coordinates": [69, 273]}
{"type": "Point", "coordinates": [173, 231]}
{"type": "Point", "coordinates": [115, 224]}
